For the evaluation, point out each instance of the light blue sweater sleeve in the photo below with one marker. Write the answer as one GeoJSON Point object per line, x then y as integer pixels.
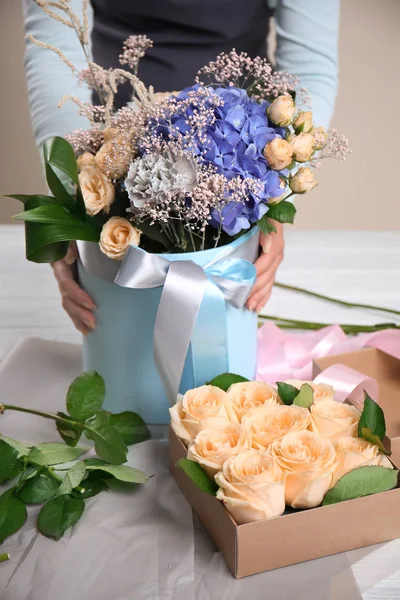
{"type": "Point", "coordinates": [307, 41]}
{"type": "Point", "coordinates": [48, 78]}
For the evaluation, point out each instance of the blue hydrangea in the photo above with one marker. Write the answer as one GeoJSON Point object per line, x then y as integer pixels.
{"type": "Point", "coordinates": [234, 144]}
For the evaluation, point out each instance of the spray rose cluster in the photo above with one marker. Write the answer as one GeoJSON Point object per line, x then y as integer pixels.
{"type": "Point", "coordinates": [265, 455]}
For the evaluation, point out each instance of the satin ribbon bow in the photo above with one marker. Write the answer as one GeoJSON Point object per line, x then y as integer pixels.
{"type": "Point", "coordinates": [186, 286]}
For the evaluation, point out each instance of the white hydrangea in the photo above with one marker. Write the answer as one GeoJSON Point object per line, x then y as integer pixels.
{"type": "Point", "coordinates": [157, 178]}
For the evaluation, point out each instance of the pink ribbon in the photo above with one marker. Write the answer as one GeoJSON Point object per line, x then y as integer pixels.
{"type": "Point", "coordinates": [349, 383]}
{"type": "Point", "coordinates": [283, 355]}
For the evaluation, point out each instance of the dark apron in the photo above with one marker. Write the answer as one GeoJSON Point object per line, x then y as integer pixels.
{"type": "Point", "coordinates": [187, 34]}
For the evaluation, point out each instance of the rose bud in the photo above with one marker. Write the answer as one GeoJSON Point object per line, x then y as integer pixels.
{"type": "Point", "coordinates": [303, 122]}
{"type": "Point", "coordinates": [278, 154]}
{"type": "Point", "coordinates": [116, 237]}
{"type": "Point", "coordinates": [303, 146]}
{"type": "Point", "coordinates": [320, 137]}
{"type": "Point", "coordinates": [282, 110]}
{"type": "Point", "coordinates": [303, 181]}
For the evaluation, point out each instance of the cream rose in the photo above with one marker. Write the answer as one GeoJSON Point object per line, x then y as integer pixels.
{"type": "Point", "coordinates": [278, 154]}
{"type": "Point", "coordinates": [303, 122]}
{"type": "Point", "coordinates": [356, 452]}
{"type": "Point", "coordinates": [308, 462]}
{"type": "Point", "coordinates": [302, 181]}
{"type": "Point", "coordinates": [213, 446]}
{"type": "Point", "coordinates": [251, 486]}
{"type": "Point", "coordinates": [303, 146]}
{"type": "Point", "coordinates": [320, 137]}
{"type": "Point", "coordinates": [116, 154]}
{"type": "Point", "coordinates": [205, 406]}
{"type": "Point", "coordinates": [97, 190]}
{"type": "Point", "coordinates": [116, 237]}
{"type": "Point", "coordinates": [248, 395]}
{"type": "Point", "coordinates": [321, 391]}
{"type": "Point", "coordinates": [85, 160]}
{"type": "Point", "coordinates": [270, 423]}
{"type": "Point", "coordinates": [281, 111]}
{"type": "Point", "coordinates": [334, 420]}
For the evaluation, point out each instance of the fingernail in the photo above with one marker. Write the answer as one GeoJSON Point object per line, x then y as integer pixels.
{"type": "Point", "coordinates": [252, 305]}
{"type": "Point", "coordinates": [89, 305]}
{"type": "Point", "coordinates": [90, 325]}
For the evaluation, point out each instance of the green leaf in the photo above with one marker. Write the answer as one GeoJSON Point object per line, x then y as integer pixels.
{"type": "Point", "coordinates": [372, 418]}
{"type": "Point", "coordinates": [60, 514]}
{"type": "Point", "coordinates": [374, 439]}
{"type": "Point", "coordinates": [53, 454]}
{"type": "Point", "coordinates": [56, 186]}
{"type": "Point", "coordinates": [265, 225]}
{"type": "Point", "coordinates": [287, 392]}
{"type": "Point", "coordinates": [92, 486]}
{"type": "Point", "coordinates": [305, 397]}
{"type": "Point", "coordinates": [283, 212]}
{"type": "Point", "coordinates": [34, 200]}
{"type": "Point", "coordinates": [69, 433]}
{"type": "Point", "coordinates": [154, 233]}
{"type": "Point", "coordinates": [8, 461]}
{"type": "Point", "coordinates": [38, 489]}
{"type": "Point", "coordinates": [85, 396]}
{"type": "Point", "coordinates": [198, 476]}
{"type": "Point", "coordinates": [131, 427]}
{"type": "Point", "coordinates": [59, 153]}
{"type": "Point", "coordinates": [13, 514]}
{"type": "Point", "coordinates": [49, 213]}
{"type": "Point", "coordinates": [225, 380]}
{"type": "Point", "coordinates": [20, 448]}
{"type": "Point", "coordinates": [73, 478]}
{"type": "Point", "coordinates": [108, 442]}
{"type": "Point", "coordinates": [122, 473]}
{"type": "Point", "coordinates": [361, 482]}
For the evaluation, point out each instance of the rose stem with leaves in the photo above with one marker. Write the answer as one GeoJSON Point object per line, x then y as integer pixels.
{"type": "Point", "coordinates": [313, 326]}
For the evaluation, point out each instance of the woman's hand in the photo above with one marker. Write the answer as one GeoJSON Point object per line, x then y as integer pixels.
{"type": "Point", "coordinates": [75, 301]}
{"type": "Point", "coordinates": [267, 265]}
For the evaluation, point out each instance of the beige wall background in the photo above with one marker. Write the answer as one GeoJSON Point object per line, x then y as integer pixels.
{"type": "Point", "coordinates": [357, 194]}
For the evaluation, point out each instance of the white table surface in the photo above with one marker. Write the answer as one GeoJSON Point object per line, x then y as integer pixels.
{"type": "Point", "coordinates": [363, 266]}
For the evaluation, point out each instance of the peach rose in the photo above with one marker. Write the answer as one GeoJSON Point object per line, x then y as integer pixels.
{"type": "Point", "coordinates": [116, 154]}
{"type": "Point", "coordinates": [308, 462]}
{"type": "Point", "coordinates": [303, 146]}
{"type": "Point", "coordinates": [248, 395]}
{"type": "Point", "coordinates": [212, 447]}
{"type": "Point", "coordinates": [282, 110]}
{"type": "Point", "coordinates": [278, 154]}
{"type": "Point", "coordinates": [356, 452]}
{"type": "Point", "coordinates": [302, 181]}
{"type": "Point", "coordinates": [270, 423]}
{"type": "Point", "coordinates": [205, 406]}
{"type": "Point", "coordinates": [334, 420]}
{"type": "Point", "coordinates": [116, 237]}
{"type": "Point", "coordinates": [251, 486]}
{"type": "Point", "coordinates": [321, 391]}
{"type": "Point", "coordinates": [85, 160]}
{"type": "Point", "coordinates": [97, 190]}
{"type": "Point", "coordinates": [303, 122]}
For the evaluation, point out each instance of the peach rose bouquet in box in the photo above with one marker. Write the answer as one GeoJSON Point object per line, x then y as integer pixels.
{"type": "Point", "coordinates": [262, 448]}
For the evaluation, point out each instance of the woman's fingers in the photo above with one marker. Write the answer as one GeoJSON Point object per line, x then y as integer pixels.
{"type": "Point", "coordinates": [82, 318]}
{"type": "Point", "coordinates": [69, 287]}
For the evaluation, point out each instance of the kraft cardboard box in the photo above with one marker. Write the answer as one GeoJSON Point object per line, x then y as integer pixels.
{"type": "Point", "coordinates": [307, 534]}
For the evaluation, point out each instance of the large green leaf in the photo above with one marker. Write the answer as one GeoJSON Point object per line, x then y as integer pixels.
{"type": "Point", "coordinates": [8, 461]}
{"type": "Point", "coordinates": [48, 454]}
{"type": "Point", "coordinates": [198, 476]}
{"type": "Point", "coordinates": [33, 201]}
{"type": "Point", "coordinates": [131, 427]}
{"type": "Point", "coordinates": [85, 395]}
{"type": "Point", "coordinates": [92, 486]}
{"type": "Point", "coordinates": [13, 514]}
{"type": "Point", "coordinates": [121, 472]}
{"type": "Point", "coordinates": [287, 392]}
{"type": "Point", "coordinates": [49, 213]}
{"type": "Point", "coordinates": [38, 489]}
{"type": "Point", "coordinates": [48, 242]}
{"type": "Point", "coordinates": [372, 419]}
{"type": "Point", "coordinates": [362, 482]}
{"type": "Point", "coordinates": [59, 153]}
{"type": "Point", "coordinates": [108, 442]}
{"type": "Point", "coordinates": [70, 433]}
{"type": "Point", "coordinates": [19, 447]}
{"type": "Point", "coordinates": [59, 514]}
{"type": "Point", "coordinates": [55, 184]}
{"type": "Point", "coordinates": [265, 225]}
{"type": "Point", "coordinates": [225, 380]}
{"type": "Point", "coordinates": [283, 212]}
